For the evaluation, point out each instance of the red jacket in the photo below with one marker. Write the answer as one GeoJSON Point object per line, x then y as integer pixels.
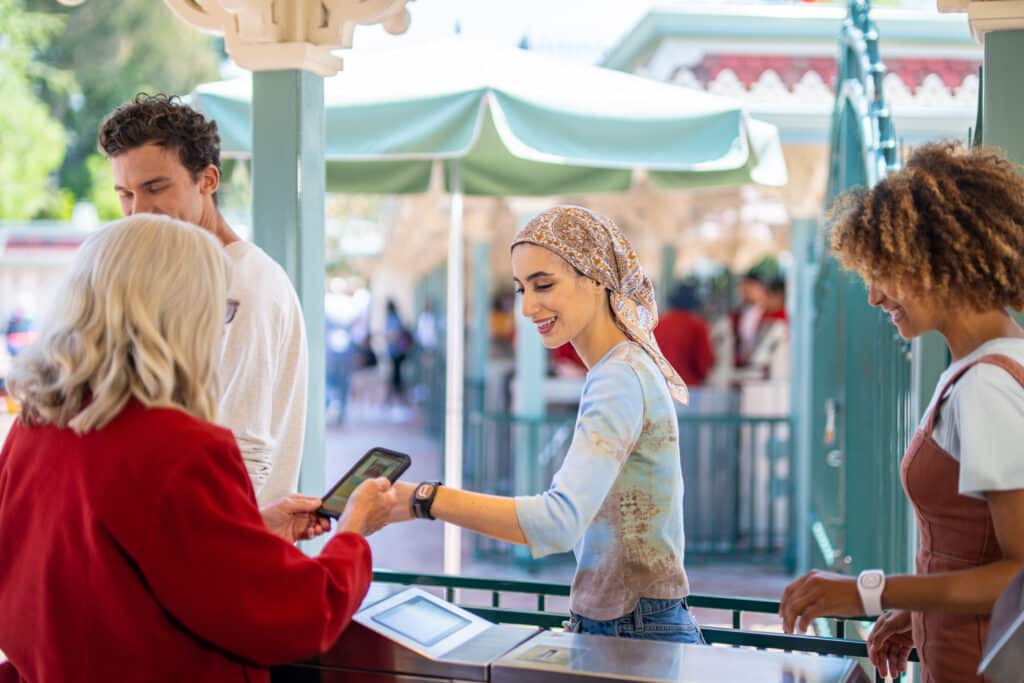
{"type": "Point", "coordinates": [136, 553]}
{"type": "Point", "coordinates": [685, 341]}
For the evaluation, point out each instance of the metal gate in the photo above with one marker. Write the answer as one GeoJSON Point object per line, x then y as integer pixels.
{"type": "Point", "coordinates": [857, 411]}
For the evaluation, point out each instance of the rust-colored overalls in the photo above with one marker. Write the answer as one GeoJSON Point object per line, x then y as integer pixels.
{"type": "Point", "coordinates": [956, 534]}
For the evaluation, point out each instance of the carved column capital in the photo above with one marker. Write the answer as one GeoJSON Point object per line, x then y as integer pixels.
{"type": "Point", "coordinates": [988, 15]}
{"type": "Point", "coordinates": [267, 35]}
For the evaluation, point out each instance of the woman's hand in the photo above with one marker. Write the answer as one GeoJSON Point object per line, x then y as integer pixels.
{"type": "Point", "coordinates": [294, 518]}
{"type": "Point", "coordinates": [369, 507]}
{"type": "Point", "coordinates": [890, 642]}
{"type": "Point", "coordinates": [818, 594]}
{"type": "Point", "coordinates": [401, 511]}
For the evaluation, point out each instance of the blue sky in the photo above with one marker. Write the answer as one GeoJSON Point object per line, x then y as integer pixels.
{"type": "Point", "coordinates": [591, 26]}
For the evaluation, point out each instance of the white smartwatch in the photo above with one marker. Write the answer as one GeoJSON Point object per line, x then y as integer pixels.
{"type": "Point", "coordinates": [870, 584]}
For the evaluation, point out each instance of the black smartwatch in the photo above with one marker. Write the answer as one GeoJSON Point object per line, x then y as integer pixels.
{"type": "Point", "coordinates": [423, 499]}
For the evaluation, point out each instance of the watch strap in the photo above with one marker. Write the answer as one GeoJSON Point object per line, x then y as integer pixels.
{"type": "Point", "coordinates": [423, 499]}
{"type": "Point", "coordinates": [870, 585]}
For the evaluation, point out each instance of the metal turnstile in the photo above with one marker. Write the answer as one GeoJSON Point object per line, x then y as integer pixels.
{"type": "Point", "coordinates": [412, 636]}
{"type": "Point", "coordinates": [409, 637]}
{"type": "Point", "coordinates": [554, 657]}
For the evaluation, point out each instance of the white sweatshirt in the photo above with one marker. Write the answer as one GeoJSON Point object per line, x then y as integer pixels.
{"type": "Point", "coordinates": [264, 372]}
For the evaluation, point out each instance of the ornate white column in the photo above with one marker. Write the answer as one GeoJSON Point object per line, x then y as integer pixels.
{"type": "Point", "coordinates": [999, 26]}
{"type": "Point", "coordinates": [987, 15]}
{"type": "Point", "coordinates": [271, 35]}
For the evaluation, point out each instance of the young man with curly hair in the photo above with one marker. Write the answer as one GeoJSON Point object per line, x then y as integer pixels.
{"type": "Point", "coordinates": [940, 245]}
{"type": "Point", "coordinates": [166, 160]}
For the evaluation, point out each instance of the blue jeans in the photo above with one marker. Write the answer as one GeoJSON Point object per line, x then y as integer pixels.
{"type": "Point", "coordinates": [652, 619]}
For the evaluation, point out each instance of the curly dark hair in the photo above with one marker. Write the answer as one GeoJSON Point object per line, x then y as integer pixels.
{"type": "Point", "coordinates": [951, 222]}
{"type": "Point", "coordinates": [166, 121]}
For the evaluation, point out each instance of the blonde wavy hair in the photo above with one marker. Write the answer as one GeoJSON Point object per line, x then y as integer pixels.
{"type": "Point", "coordinates": [139, 316]}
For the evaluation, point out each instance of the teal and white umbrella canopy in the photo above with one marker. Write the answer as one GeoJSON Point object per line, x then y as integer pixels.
{"type": "Point", "coordinates": [521, 123]}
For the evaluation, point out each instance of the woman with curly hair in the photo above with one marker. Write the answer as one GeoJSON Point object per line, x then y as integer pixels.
{"type": "Point", "coordinates": [940, 245]}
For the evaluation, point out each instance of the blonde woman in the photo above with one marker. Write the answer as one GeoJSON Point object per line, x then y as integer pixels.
{"type": "Point", "coordinates": [132, 545]}
{"type": "Point", "coordinates": [617, 500]}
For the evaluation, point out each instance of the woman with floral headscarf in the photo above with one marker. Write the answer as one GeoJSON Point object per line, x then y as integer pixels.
{"type": "Point", "coordinates": [617, 500]}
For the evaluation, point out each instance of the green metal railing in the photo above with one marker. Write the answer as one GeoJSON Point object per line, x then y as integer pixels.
{"type": "Point", "coordinates": [736, 469]}
{"type": "Point", "coordinates": [540, 616]}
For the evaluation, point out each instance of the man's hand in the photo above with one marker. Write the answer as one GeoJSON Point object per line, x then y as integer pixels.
{"type": "Point", "coordinates": [369, 507]}
{"type": "Point", "coordinates": [293, 518]}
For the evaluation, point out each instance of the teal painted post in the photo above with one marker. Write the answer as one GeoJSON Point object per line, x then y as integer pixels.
{"type": "Point", "coordinates": [930, 358]}
{"type": "Point", "coordinates": [480, 284]}
{"type": "Point", "coordinates": [288, 220]}
{"type": "Point", "coordinates": [455, 360]}
{"type": "Point", "coordinates": [803, 232]}
{"type": "Point", "coordinates": [1002, 97]}
{"type": "Point", "coordinates": [531, 367]}
{"type": "Point", "coordinates": [666, 276]}
{"type": "Point", "coordinates": [528, 407]}
{"type": "Point", "coordinates": [1002, 101]}
{"type": "Point", "coordinates": [434, 288]}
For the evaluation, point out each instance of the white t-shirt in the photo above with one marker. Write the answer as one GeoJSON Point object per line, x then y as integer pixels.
{"type": "Point", "coordinates": [981, 422]}
{"type": "Point", "coordinates": [264, 371]}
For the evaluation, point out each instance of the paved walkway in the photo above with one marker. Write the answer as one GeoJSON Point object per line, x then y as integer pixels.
{"type": "Point", "coordinates": [418, 546]}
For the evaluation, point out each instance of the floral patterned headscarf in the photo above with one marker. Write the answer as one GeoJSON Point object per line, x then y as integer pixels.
{"type": "Point", "coordinates": [595, 246]}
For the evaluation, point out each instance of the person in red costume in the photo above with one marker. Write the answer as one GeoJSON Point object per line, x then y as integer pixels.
{"type": "Point", "coordinates": [684, 337]}
{"type": "Point", "coordinates": [133, 548]}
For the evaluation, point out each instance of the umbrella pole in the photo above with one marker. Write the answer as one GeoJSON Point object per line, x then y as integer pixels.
{"type": "Point", "coordinates": [454, 365]}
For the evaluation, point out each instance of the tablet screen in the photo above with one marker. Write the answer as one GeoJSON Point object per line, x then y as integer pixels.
{"type": "Point", "coordinates": [421, 620]}
{"type": "Point", "coordinates": [377, 464]}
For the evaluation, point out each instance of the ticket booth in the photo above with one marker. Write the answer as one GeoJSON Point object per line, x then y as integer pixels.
{"type": "Point", "coordinates": [412, 636]}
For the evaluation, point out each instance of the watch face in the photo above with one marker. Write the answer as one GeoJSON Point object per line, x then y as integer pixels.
{"type": "Point", "coordinates": [871, 581]}
{"type": "Point", "coordinates": [423, 490]}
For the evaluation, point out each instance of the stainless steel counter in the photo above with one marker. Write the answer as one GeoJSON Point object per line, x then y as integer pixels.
{"type": "Point", "coordinates": [563, 657]}
{"type": "Point", "coordinates": [414, 637]}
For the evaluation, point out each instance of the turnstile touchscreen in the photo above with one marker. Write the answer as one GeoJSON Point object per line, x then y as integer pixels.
{"type": "Point", "coordinates": [421, 620]}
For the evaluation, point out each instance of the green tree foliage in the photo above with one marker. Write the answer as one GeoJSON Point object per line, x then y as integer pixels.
{"type": "Point", "coordinates": [116, 50]}
{"type": "Point", "coordinates": [31, 141]}
{"type": "Point", "coordinates": [101, 191]}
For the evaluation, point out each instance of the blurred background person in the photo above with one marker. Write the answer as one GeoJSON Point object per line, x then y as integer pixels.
{"type": "Point", "coordinates": [427, 351]}
{"type": "Point", "coordinates": [770, 358]}
{"type": "Point", "coordinates": [503, 325]}
{"type": "Point", "coordinates": [684, 336]}
{"type": "Point", "coordinates": [746, 317]}
{"type": "Point", "coordinates": [399, 343]}
{"type": "Point", "coordinates": [340, 352]}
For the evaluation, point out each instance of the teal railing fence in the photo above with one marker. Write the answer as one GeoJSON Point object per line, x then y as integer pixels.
{"type": "Point", "coordinates": [529, 603]}
{"type": "Point", "coordinates": [736, 469]}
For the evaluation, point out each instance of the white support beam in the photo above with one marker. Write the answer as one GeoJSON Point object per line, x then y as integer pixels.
{"type": "Point", "coordinates": [987, 16]}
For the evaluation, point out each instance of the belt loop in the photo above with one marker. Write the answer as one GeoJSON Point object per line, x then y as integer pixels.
{"type": "Point", "coordinates": [638, 618]}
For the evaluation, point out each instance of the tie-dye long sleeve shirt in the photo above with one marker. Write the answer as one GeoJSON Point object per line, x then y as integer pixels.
{"type": "Point", "coordinates": [617, 500]}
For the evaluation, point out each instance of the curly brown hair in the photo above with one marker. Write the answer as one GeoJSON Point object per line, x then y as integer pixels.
{"type": "Point", "coordinates": [951, 222]}
{"type": "Point", "coordinates": [165, 121]}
